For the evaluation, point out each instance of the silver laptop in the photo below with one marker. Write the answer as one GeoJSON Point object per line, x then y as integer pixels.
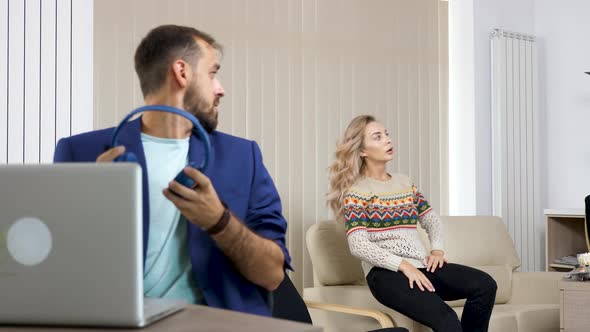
{"type": "Point", "coordinates": [71, 246]}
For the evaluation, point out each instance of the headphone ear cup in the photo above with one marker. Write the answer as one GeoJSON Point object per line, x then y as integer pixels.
{"type": "Point", "coordinates": [127, 157]}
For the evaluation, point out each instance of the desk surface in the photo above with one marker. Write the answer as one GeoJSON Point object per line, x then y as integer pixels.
{"type": "Point", "coordinates": [196, 318]}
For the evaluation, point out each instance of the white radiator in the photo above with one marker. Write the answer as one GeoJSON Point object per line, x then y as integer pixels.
{"type": "Point", "coordinates": [45, 76]}
{"type": "Point", "coordinates": [515, 143]}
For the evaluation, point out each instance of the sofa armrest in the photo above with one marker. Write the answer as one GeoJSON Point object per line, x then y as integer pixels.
{"type": "Point", "coordinates": [384, 319]}
{"type": "Point", "coordinates": [535, 287]}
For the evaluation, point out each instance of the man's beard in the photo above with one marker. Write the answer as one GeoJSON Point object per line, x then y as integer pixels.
{"type": "Point", "coordinates": [197, 105]}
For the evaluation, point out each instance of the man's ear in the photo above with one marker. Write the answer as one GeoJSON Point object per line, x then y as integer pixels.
{"type": "Point", "coordinates": [180, 73]}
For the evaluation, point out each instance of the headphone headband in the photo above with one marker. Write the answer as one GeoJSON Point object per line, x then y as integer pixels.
{"type": "Point", "coordinates": [197, 128]}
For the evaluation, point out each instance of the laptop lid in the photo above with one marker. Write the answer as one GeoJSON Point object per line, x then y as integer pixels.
{"type": "Point", "coordinates": [71, 244]}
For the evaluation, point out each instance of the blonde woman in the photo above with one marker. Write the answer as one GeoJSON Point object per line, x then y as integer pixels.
{"type": "Point", "coordinates": [381, 211]}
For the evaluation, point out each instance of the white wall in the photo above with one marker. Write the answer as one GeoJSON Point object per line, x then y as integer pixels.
{"type": "Point", "coordinates": [564, 54]}
{"type": "Point", "coordinates": [488, 15]}
{"type": "Point", "coordinates": [563, 28]}
{"type": "Point", "coordinates": [462, 151]}
{"type": "Point", "coordinates": [470, 153]}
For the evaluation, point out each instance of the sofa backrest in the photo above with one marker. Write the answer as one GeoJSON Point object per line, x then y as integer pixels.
{"type": "Point", "coordinates": [478, 241]}
{"type": "Point", "coordinates": [332, 262]}
{"type": "Point", "coordinates": [481, 242]}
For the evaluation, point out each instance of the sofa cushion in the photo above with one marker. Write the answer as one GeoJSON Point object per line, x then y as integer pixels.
{"type": "Point", "coordinates": [503, 277]}
{"type": "Point", "coordinates": [538, 318]}
{"type": "Point", "coordinates": [526, 286]}
{"type": "Point", "coordinates": [528, 317]}
{"type": "Point", "coordinates": [333, 264]}
{"type": "Point", "coordinates": [501, 321]}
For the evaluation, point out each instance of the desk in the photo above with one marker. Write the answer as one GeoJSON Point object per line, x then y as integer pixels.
{"type": "Point", "coordinates": [196, 318]}
{"type": "Point", "coordinates": [565, 235]}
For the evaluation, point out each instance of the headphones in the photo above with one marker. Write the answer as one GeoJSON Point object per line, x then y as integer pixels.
{"type": "Point", "coordinates": [182, 178]}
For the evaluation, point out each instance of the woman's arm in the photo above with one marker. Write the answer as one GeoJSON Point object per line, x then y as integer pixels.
{"type": "Point", "coordinates": [433, 226]}
{"type": "Point", "coordinates": [429, 220]}
{"type": "Point", "coordinates": [361, 247]}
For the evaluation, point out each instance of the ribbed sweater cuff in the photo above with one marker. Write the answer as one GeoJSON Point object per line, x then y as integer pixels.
{"type": "Point", "coordinates": [394, 263]}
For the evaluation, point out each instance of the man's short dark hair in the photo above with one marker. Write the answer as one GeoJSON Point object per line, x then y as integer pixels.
{"type": "Point", "coordinates": [161, 47]}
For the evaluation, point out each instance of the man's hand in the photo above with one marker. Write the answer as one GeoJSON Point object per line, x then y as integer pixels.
{"type": "Point", "coordinates": [435, 260]}
{"type": "Point", "coordinates": [414, 275]}
{"type": "Point", "coordinates": [110, 154]}
{"type": "Point", "coordinates": [258, 259]}
{"type": "Point", "coordinates": [200, 205]}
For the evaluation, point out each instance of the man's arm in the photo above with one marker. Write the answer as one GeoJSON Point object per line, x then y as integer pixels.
{"type": "Point", "coordinates": [258, 259]}
{"type": "Point", "coordinates": [63, 152]}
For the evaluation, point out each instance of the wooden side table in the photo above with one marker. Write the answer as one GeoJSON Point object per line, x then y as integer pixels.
{"type": "Point", "coordinates": [574, 305]}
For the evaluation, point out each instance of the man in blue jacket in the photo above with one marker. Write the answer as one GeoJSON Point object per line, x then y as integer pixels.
{"type": "Point", "coordinates": [226, 255]}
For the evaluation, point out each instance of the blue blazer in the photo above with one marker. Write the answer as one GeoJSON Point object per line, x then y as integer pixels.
{"type": "Point", "coordinates": [241, 181]}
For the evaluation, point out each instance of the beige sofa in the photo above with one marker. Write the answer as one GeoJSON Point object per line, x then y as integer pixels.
{"type": "Point", "coordinates": [525, 301]}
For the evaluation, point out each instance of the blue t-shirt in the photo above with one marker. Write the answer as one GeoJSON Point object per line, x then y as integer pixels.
{"type": "Point", "coordinates": [167, 271]}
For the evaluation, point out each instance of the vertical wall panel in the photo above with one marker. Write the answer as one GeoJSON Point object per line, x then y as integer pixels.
{"type": "Point", "coordinates": [537, 220]}
{"type": "Point", "coordinates": [268, 108]}
{"type": "Point", "coordinates": [509, 216]}
{"type": "Point", "coordinates": [16, 85]}
{"type": "Point", "coordinates": [309, 126]}
{"type": "Point", "coordinates": [284, 110]}
{"type": "Point", "coordinates": [32, 81]}
{"type": "Point", "coordinates": [440, 167]}
{"type": "Point", "coordinates": [237, 92]}
{"type": "Point", "coordinates": [122, 67]}
{"type": "Point", "coordinates": [515, 143]}
{"type": "Point", "coordinates": [47, 79]}
{"type": "Point", "coordinates": [522, 164]}
{"type": "Point", "coordinates": [38, 101]}
{"type": "Point", "coordinates": [3, 81]}
{"type": "Point", "coordinates": [298, 160]}
{"type": "Point", "coordinates": [81, 62]}
{"type": "Point", "coordinates": [295, 73]}
{"type": "Point", "coordinates": [530, 212]}
{"type": "Point", "coordinates": [63, 69]}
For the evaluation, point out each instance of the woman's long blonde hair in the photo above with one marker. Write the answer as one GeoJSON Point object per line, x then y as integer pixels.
{"type": "Point", "coordinates": [348, 165]}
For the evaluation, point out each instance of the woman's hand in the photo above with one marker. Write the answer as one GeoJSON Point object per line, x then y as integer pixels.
{"type": "Point", "coordinates": [414, 275]}
{"type": "Point", "coordinates": [435, 260]}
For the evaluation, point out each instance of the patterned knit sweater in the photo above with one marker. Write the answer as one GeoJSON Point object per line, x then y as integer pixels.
{"type": "Point", "coordinates": [381, 219]}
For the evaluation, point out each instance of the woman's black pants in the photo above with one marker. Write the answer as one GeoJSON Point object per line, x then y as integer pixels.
{"type": "Point", "coordinates": [451, 282]}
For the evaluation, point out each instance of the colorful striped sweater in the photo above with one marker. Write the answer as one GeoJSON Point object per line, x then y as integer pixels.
{"type": "Point", "coordinates": [381, 219]}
